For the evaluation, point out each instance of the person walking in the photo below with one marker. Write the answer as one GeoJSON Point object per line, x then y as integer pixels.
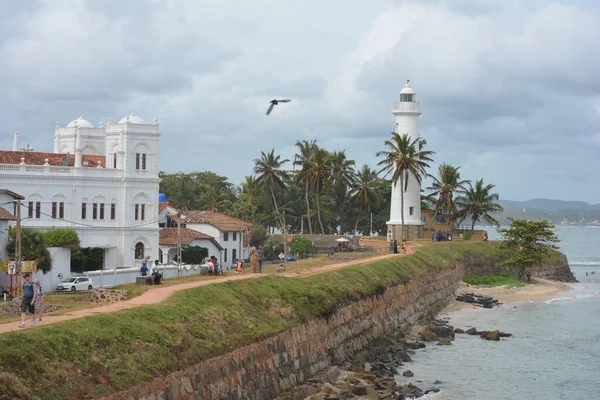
{"type": "Point", "coordinates": [261, 255]}
{"type": "Point", "coordinates": [254, 260]}
{"type": "Point", "coordinates": [28, 301]}
{"type": "Point", "coordinates": [39, 300]}
{"type": "Point", "coordinates": [391, 246]}
{"type": "Point", "coordinates": [395, 247]}
{"type": "Point", "coordinates": [144, 269]}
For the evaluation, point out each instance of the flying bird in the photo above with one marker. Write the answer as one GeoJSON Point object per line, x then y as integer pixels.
{"type": "Point", "coordinates": [274, 102]}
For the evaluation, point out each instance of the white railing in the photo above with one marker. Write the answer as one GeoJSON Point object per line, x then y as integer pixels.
{"type": "Point", "coordinates": [10, 167]}
{"type": "Point", "coordinates": [407, 106]}
{"type": "Point", "coordinates": [43, 169]}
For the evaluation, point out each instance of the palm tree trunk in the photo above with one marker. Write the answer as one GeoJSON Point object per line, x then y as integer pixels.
{"type": "Point", "coordinates": [357, 219]}
{"type": "Point", "coordinates": [308, 207]}
{"type": "Point", "coordinates": [319, 215]}
{"type": "Point", "coordinates": [276, 208]}
{"type": "Point", "coordinates": [473, 225]}
{"type": "Point", "coordinates": [402, 204]}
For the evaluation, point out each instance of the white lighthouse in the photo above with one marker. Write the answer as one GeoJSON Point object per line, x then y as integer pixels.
{"type": "Point", "coordinates": [407, 113]}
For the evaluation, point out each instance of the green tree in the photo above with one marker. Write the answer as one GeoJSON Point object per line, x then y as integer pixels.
{"type": "Point", "coordinates": [342, 169]}
{"type": "Point", "coordinates": [271, 175]}
{"type": "Point", "coordinates": [319, 174]}
{"type": "Point", "coordinates": [301, 245]}
{"type": "Point", "coordinates": [193, 254]}
{"type": "Point", "coordinates": [62, 237]}
{"type": "Point", "coordinates": [302, 159]}
{"type": "Point", "coordinates": [33, 247]}
{"type": "Point", "coordinates": [479, 203]}
{"type": "Point", "coordinates": [365, 196]}
{"type": "Point", "coordinates": [444, 187]}
{"type": "Point", "coordinates": [528, 243]}
{"type": "Point", "coordinates": [258, 236]}
{"type": "Point", "coordinates": [405, 157]}
{"type": "Point", "coordinates": [273, 249]}
{"type": "Point", "coordinates": [341, 198]}
{"type": "Point", "coordinates": [87, 259]}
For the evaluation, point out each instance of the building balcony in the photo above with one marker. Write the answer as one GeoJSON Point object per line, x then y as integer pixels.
{"type": "Point", "coordinates": [407, 107]}
{"type": "Point", "coordinates": [67, 172]}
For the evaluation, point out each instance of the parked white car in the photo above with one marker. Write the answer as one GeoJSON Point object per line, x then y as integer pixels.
{"type": "Point", "coordinates": [74, 284]}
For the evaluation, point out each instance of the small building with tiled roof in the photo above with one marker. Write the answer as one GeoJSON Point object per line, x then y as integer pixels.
{"type": "Point", "coordinates": [228, 231]}
{"type": "Point", "coordinates": [100, 180]}
{"type": "Point", "coordinates": [189, 238]}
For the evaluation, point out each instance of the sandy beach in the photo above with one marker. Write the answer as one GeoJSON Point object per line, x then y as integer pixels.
{"type": "Point", "coordinates": [540, 289]}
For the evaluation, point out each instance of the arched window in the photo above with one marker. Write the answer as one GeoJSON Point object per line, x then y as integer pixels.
{"type": "Point", "coordinates": [160, 255]}
{"type": "Point", "coordinates": [139, 251]}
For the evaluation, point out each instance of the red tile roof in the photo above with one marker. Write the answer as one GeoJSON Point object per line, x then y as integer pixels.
{"type": "Point", "coordinates": [5, 215]}
{"type": "Point", "coordinates": [163, 205]}
{"type": "Point", "coordinates": [14, 195]}
{"type": "Point", "coordinates": [222, 222]}
{"type": "Point", "coordinates": [57, 160]}
{"type": "Point", "coordinates": [168, 237]}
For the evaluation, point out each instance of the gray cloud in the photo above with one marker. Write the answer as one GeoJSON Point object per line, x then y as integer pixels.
{"type": "Point", "coordinates": [509, 89]}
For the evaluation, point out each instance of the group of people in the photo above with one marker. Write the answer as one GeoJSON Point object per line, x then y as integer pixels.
{"type": "Point", "coordinates": [441, 236]}
{"type": "Point", "coordinates": [156, 275]}
{"type": "Point", "coordinates": [394, 246]}
{"type": "Point", "coordinates": [256, 260]}
{"type": "Point", "coordinates": [32, 301]}
{"type": "Point", "coordinates": [214, 267]}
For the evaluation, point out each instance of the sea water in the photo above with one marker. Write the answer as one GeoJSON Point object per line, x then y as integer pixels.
{"type": "Point", "coordinates": [555, 350]}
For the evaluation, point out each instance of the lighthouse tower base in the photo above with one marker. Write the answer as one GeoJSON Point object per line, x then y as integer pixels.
{"type": "Point", "coordinates": [411, 232]}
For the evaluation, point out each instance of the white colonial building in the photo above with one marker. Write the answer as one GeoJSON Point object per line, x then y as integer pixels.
{"type": "Point", "coordinates": [101, 181]}
{"type": "Point", "coordinates": [407, 113]}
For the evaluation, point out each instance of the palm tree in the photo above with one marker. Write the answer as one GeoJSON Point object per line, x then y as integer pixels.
{"type": "Point", "coordinates": [301, 159]}
{"type": "Point", "coordinates": [319, 174]}
{"type": "Point", "coordinates": [366, 195]}
{"type": "Point", "coordinates": [271, 175]}
{"type": "Point", "coordinates": [342, 169]}
{"type": "Point", "coordinates": [251, 187]}
{"type": "Point", "coordinates": [405, 157]}
{"type": "Point", "coordinates": [478, 202]}
{"type": "Point", "coordinates": [341, 198]}
{"type": "Point", "coordinates": [443, 189]}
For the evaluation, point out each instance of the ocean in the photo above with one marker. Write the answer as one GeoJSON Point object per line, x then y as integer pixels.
{"type": "Point", "coordinates": [555, 351]}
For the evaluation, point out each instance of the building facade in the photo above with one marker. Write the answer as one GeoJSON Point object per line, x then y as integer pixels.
{"type": "Point", "coordinates": [407, 113]}
{"type": "Point", "coordinates": [229, 232]}
{"type": "Point", "coordinates": [102, 182]}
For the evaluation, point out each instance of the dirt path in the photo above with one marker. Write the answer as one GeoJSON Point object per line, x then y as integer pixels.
{"type": "Point", "coordinates": [160, 294]}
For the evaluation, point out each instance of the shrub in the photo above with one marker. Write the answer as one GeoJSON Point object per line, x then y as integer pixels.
{"type": "Point", "coordinates": [33, 247]}
{"type": "Point", "coordinates": [273, 249]}
{"type": "Point", "coordinates": [194, 254]}
{"type": "Point", "coordinates": [301, 245]}
{"type": "Point", "coordinates": [258, 236]}
{"type": "Point", "coordinates": [62, 237]}
{"type": "Point", "coordinates": [468, 235]}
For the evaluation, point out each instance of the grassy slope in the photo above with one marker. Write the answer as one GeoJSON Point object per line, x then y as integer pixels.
{"type": "Point", "coordinates": [110, 352]}
{"type": "Point", "coordinates": [491, 281]}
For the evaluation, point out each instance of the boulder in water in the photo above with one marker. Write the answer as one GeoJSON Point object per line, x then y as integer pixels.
{"type": "Point", "coordinates": [458, 330]}
{"type": "Point", "coordinates": [444, 342]}
{"type": "Point", "coordinates": [442, 331]}
{"type": "Point", "coordinates": [490, 335]}
{"type": "Point", "coordinates": [408, 373]}
{"type": "Point", "coordinates": [471, 331]}
{"type": "Point", "coordinates": [429, 336]}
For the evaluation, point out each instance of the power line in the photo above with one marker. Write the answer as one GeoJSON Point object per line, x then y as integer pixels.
{"type": "Point", "coordinates": [156, 221]}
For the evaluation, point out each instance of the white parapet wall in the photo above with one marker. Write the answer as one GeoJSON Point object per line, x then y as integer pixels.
{"type": "Point", "coordinates": [111, 277]}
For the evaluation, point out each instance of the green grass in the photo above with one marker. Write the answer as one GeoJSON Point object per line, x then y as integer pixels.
{"type": "Point", "coordinates": [490, 281]}
{"type": "Point", "coordinates": [95, 356]}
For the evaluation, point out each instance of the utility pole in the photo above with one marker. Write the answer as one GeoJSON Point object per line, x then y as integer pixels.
{"type": "Point", "coordinates": [178, 244]}
{"type": "Point", "coordinates": [18, 246]}
{"type": "Point", "coordinates": [284, 240]}
{"type": "Point", "coordinates": [371, 231]}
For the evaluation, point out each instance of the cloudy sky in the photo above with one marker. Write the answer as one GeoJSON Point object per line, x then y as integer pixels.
{"type": "Point", "coordinates": [509, 89]}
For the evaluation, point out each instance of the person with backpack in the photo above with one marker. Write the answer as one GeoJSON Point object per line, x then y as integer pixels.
{"type": "Point", "coordinates": [28, 301]}
{"type": "Point", "coordinates": [39, 299]}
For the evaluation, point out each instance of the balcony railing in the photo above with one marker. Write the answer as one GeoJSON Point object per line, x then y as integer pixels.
{"type": "Point", "coordinates": [407, 106]}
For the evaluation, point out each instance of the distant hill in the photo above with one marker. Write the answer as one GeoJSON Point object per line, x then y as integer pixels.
{"type": "Point", "coordinates": [549, 205]}
{"type": "Point", "coordinates": [557, 211]}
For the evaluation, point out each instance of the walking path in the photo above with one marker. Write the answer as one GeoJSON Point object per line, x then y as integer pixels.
{"type": "Point", "coordinates": [160, 294]}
